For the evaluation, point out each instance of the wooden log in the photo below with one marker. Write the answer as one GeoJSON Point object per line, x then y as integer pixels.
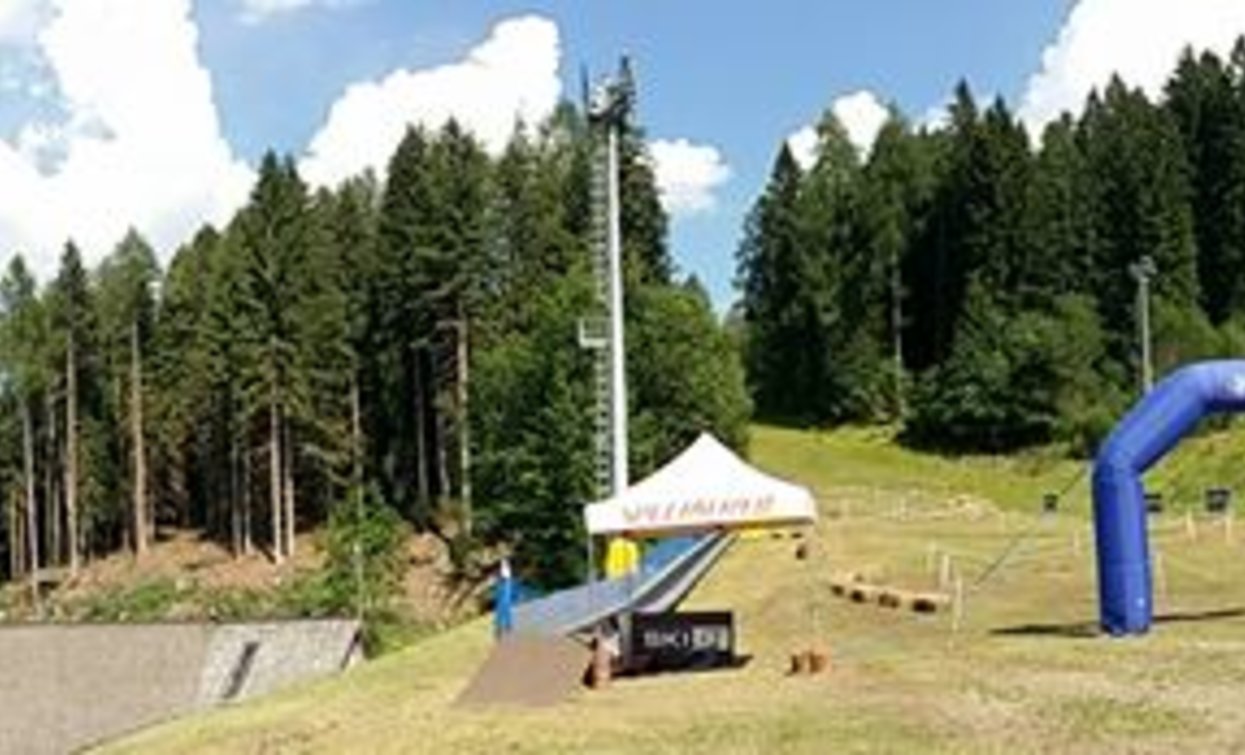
{"type": "Point", "coordinates": [889, 598]}
{"type": "Point", "coordinates": [862, 593]}
{"type": "Point", "coordinates": [818, 662]}
{"type": "Point", "coordinates": [929, 602]}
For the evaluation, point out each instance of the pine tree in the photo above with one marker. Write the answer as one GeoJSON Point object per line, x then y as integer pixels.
{"type": "Point", "coordinates": [769, 281]}
{"type": "Point", "coordinates": [1140, 182]}
{"type": "Point", "coordinates": [352, 234]}
{"type": "Point", "coordinates": [684, 376]}
{"type": "Point", "coordinates": [180, 375]}
{"type": "Point", "coordinates": [936, 274]}
{"type": "Point", "coordinates": [74, 330]}
{"type": "Point", "coordinates": [227, 352]}
{"type": "Point", "coordinates": [24, 333]}
{"type": "Point", "coordinates": [457, 266]}
{"type": "Point", "coordinates": [897, 185]}
{"type": "Point", "coordinates": [407, 215]}
{"type": "Point", "coordinates": [1206, 99]}
{"type": "Point", "coordinates": [275, 236]}
{"type": "Point", "coordinates": [127, 313]}
{"type": "Point", "coordinates": [1061, 239]}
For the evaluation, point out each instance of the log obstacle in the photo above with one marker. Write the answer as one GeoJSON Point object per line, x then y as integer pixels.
{"type": "Point", "coordinates": [853, 587]}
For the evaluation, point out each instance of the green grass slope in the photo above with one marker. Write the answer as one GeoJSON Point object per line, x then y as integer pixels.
{"type": "Point", "coordinates": [1018, 669]}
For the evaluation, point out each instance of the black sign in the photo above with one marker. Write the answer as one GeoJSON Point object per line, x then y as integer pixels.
{"type": "Point", "coordinates": [671, 641]}
{"type": "Point", "coordinates": [1218, 500]}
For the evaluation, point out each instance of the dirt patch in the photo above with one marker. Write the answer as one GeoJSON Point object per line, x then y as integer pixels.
{"type": "Point", "coordinates": [528, 671]}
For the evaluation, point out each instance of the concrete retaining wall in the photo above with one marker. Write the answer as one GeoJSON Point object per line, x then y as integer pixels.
{"type": "Point", "coordinates": [65, 687]}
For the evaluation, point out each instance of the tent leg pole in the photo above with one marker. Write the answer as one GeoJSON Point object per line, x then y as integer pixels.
{"type": "Point", "coordinates": [592, 559]}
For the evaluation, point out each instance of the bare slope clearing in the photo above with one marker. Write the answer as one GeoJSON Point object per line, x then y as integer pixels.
{"type": "Point", "coordinates": [1023, 671]}
{"type": "Point", "coordinates": [187, 577]}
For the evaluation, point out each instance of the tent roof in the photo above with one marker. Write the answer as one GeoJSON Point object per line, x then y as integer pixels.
{"type": "Point", "coordinates": [705, 487]}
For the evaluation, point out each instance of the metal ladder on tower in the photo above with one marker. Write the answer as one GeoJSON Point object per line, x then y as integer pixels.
{"type": "Point", "coordinates": [595, 331]}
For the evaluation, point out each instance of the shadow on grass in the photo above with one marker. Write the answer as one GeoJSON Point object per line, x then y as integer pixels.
{"type": "Point", "coordinates": [1087, 629]}
{"type": "Point", "coordinates": [1181, 617]}
{"type": "Point", "coordinates": [736, 663]}
{"type": "Point", "coordinates": [1071, 630]}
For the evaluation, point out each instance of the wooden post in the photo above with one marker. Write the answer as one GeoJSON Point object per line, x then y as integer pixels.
{"type": "Point", "coordinates": [1228, 534]}
{"type": "Point", "coordinates": [1190, 527]}
{"type": "Point", "coordinates": [944, 572]}
{"type": "Point", "coordinates": [602, 663]}
{"type": "Point", "coordinates": [957, 611]}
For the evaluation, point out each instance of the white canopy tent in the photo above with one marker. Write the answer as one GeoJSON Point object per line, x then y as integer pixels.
{"type": "Point", "coordinates": [705, 487]}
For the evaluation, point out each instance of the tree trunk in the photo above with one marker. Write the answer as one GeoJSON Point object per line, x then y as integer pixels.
{"type": "Point", "coordinates": [235, 509]}
{"type": "Point", "coordinates": [28, 479]}
{"type": "Point", "coordinates": [288, 486]}
{"type": "Point", "coordinates": [140, 451]}
{"type": "Point", "coordinates": [421, 454]}
{"type": "Point", "coordinates": [464, 432]}
{"type": "Point", "coordinates": [56, 552]}
{"type": "Point", "coordinates": [71, 456]}
{"type": "Point", "coordinates": [248, 539]}
{"type": "Point", "coordinates": [896, 286]}
{"type": "Point", "coordinates": [356, 432]}
{"type": "Point", "coordinates": [274, 479]}
{"type": "Point", "coordinates": [440, 429]}
{"type": "Point", "coordinates": [15, 536]}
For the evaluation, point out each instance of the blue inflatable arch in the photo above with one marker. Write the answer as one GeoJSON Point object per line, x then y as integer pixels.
{"type": "Point", "coordinates": [1156, 424]}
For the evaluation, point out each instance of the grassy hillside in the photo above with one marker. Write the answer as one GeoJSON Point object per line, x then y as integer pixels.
{"type": "Point", "coordinates": [1021, 670]}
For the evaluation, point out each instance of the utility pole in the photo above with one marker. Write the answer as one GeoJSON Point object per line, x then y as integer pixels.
{"type": "Point", "coordinates": [1144, 271]}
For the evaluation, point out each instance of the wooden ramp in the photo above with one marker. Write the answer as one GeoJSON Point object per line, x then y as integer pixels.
{"type": "Point", "coordinates": [528, 671]}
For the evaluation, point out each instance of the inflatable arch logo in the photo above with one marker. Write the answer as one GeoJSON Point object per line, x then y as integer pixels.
{"type": "Point", "coordinates": [1151, 429]}
{"type": "Point", "coordinates": [1236, 386]}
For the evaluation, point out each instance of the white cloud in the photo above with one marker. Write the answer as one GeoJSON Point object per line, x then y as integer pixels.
{"type": "Point", "coordinates": [936, 117]}
{"type": "Point", "coordinates": [19, 19]}
{"type": "Point", "coordinates": [140, 143]}
{"type": "Point", "coordinates": [1139, 39]}
{"type": "Point", "coordinates": [511, 74]}
{"type": "Point", "coordinates": [863, 116]}
{"type": "Point", "coordinates": [256, 11]}
{"type": "Point", "coordinates": [860, 113]}
{"type": "Point", "coordinates": [687, 175]}
{"type": "Point", "coordinates": [803, 146]}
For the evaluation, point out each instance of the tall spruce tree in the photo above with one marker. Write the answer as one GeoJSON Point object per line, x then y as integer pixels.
{"type": "Point", "coordinates": [74, 331]}
{"type": "Point", "coordinates": [1206, 99]}
{"type": "Point", "coordinates": [407, 212]}
{"type": "Point", "coordinates": [769, 281]}
{"type": "Point", "coordinates": [1141, 188]}
{"type": "Point", "coordinates": [127, 312]}
{"type": "Point", "coordinates": [274, 239]}
{"type": "Point", "coordinates": [22, 339]}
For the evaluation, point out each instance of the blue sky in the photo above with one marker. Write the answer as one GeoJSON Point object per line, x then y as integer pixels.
{"type": "Point", "coordinates": [115, 112]}
{"type": "Point", "coordinates": [740, 80]}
